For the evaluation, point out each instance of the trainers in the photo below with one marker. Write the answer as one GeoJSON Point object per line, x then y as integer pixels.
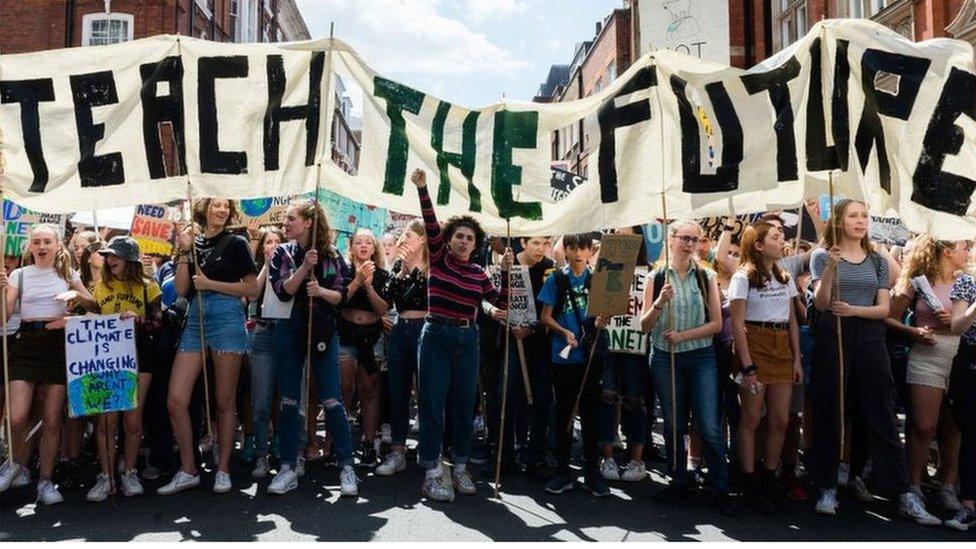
{"type": "Point", "coordinates": [285, 481]}
{"type": "Point", "coordinates": [794, 488]}
{"type": "Point", "coordinates": [634, 471]}
{"type": "Point", "coordinates": [9, 472]}
{"type": "Point", "coordinates": [609, 469]}
{"type": "Point", "coordinates": [827, 504]}
{"type": "Point", "coordinates": [948, 499]}
{"type": "Point", "coordinates": [181, 481]}
{"type": "Point", "coordinates": [861, 491]}
{"type": "Point", "coordinates": [222, 483]}
{"type": "Point", "coordinates": [435, 489]}
{"type": "Point", "coordinates": [461, 479]}
{"type": "Point", "coordinates": [843, 473]}
{"type": "Point", "coordinates": [386, 434]}
{"type": "Point", "coordinates": [594, 483]}
{"type": "Point", "coordinates": [150, 473]}
{"type": "Point", "coordinates": [300, 467]}
{"type": "Point", "coordinates": [101, 489]}
{"type": "Point", "coordinates": [130, 484]}
{"type": "Point", "coordinates": [368, 455]}
{"type": "Point", "coordinates": [395, 462]}
{"type": "Point", "coordinates": [913, 508]}
{"type": "Point", "coordinates": [348, 481]}
{"type": "Point", "coordinates": [559, 484]}
{"type": "Point", "coordinates": [47, 493]}
{"type": "Point", "coordinates": [260, 468]}
{"type": "Point", "coordinates": [963, 520]}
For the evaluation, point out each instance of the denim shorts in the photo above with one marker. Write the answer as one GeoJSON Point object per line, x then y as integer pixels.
{"type": "Point", "coordinates": [224, 324]}
{"type": "Point", "coordinates": [348, 351]}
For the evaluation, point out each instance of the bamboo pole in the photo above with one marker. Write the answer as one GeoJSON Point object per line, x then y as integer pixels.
{"type": "Point", "coordinates": [507, 360]}
{"type": "Point", "coordinates": [835, 294]}
{"type": "Point", "coordinates": [200, 315]}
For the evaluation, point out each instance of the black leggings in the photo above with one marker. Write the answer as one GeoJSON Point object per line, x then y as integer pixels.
{"type": "Point", "coordinates": [962, 402]}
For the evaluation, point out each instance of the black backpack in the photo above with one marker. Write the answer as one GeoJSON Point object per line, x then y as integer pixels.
{"type": "Point", "coordinates": [564, 292]}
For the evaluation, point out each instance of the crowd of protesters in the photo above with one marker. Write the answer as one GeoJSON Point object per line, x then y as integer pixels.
{"type": "Point", "coordinates": [403, 340]}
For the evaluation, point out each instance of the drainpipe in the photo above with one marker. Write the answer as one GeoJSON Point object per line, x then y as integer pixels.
{"type": "Point", "coordinates": [69, 23]}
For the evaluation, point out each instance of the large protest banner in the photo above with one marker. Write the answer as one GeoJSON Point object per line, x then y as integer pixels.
{"type": "Point", "coordinates": [610, 289]}
{"type": "Point", "coordinates": [888, 116]}
{"type": "Point", "coordinates": [101, 364]}
{"type": "Point", "coordinates": [18, 221]}
{"type": "Point", "coordinates": [623, 331]}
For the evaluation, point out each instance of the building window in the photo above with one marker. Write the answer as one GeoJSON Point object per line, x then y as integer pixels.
{"type": "Point", "coordinates": [206, 7]}
{"type": "Point", "coordinates": [866, 8]}
{"type": "Point", "coordinates": [99, 29]}
{"type": "Point", "coordinates": [792, 21]}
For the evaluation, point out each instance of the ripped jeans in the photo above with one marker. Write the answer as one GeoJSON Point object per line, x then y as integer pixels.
{"type": "Point", "coordinates": [624, 381]}
{"type": "Point", "coordinates": [289, 364]}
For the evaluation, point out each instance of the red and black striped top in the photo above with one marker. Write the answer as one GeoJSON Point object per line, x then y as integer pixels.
{"type": "Point", "coordinates": [455, 288]}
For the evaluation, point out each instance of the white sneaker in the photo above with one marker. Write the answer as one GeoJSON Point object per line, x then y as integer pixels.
{"type": "Point", "coordinates": [22, 479]}
{"type": "Point", "coordinates": [861, 490]}
{"type": "Point", "coordinates": [181, 481]}
{"type": "Point", "coordinates": [435, 489]}
{"type": "Point", "coordinates": [300, 467]}
{"type": "Point", "coordinates": [130, 484]}
{"type": "Point", "coordinates": [222, 483]}
{"type": "Point", "coordinates": [101, 489]}
{"type": "Point", "coordinates": [47, 493]}
{"type": "Point", "coordinates": [348, 482]}
{"type": "Point", "coordinates": [827, 504]}
{"type": "Point", "coordinates": [913, 507]}
{"type": "Point", "coordinates": [285, 481]}
{"type": "Point", "coordinates": [395, 462]}
{"type": "Point", "coordinates": [634, 471]}
{"type": "Point", "coordinates": [843, 473]}
{"type": "Point", "coordinates": [609, 469]}
{"type": "Point", "coordinates": [963, 520]}
{"type": "Point", "coordinates": [462, 481]}
{"type": "Point", "coordinates": [260, 468]}
{"type": "Point", "coordinates": [386, 434]}
{"type": "Point", "coordinates": [8, 472]}
{"type": "Point", "coordinates": [948, 499]}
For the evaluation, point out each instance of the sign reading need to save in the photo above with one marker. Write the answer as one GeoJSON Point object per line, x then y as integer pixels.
{"type": "Point", "coordinates": [101, 364]}
{"type": "Point", "coordinates": [153, 229]}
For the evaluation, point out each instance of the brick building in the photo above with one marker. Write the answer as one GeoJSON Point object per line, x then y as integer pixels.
{"type": "Point", "coordinates": [32, 25]}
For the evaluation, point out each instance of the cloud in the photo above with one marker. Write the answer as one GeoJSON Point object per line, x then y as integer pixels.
{"type": "Point", "coordinates": [486, 9]}
{"type": "Point", "coordinates": [411, 37]}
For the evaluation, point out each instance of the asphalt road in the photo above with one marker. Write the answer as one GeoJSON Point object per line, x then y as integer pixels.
{"type": "Point", "coordinates": [391, 509]}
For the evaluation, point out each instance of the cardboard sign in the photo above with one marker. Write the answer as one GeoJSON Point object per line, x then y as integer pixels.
{"type": "Point", "coordinates": [610, 290]}
{"type": "Point", "coordinates": [19, 220]}
{"type": "Point", "coordinates": [889, 230]}
{"type": "Point", "coordinates": [521, 295]}
{"type": "Point", "coordinates": [623, 331]}
{"type": "Point", "coordinates": [153, 229]}
{"type": "Point", "coordinates": [101, 364]}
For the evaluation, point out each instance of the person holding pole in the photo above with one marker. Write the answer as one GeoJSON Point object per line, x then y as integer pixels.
{"type": "Point", "coordinates": [448, 353]}
{"type": "Point", "coordinates": [40, 291]}
{"type": "Point", "coordinates": [850, 283]}
{"type": "Point", "coordinates": [578, 351]}
{"type": "Point", "coordinates": [690, 293]}
{"type": "Point", "coordinates": [406, 289]}
{"type": "Point", "coordinates": [767, 345]}
{"type": "Point", "coordinates": [227, 274]}
{"type": "Point", "coordinates": [125, 290]}
{"type": "Point", "coordinates": [309, 273]}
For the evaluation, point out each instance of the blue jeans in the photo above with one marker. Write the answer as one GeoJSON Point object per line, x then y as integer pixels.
{"type": "Point", "coordinates": [289, 365]}
{"type": "Point", "coordinates": [696, 380]}
{"type": "Point", "coordinates": [401, 366]}
{"type": "Point", "coordinates": [624, 381]}
{"type": "Point", "coordinates": [261, 365]}
{"type": "Point", "coordinates": [447, 365]}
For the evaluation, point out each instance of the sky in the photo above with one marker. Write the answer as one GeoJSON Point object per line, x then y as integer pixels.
{"type": "Point", "coordinates": [468, 52]}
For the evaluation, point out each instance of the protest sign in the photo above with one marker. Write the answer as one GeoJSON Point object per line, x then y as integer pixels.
{"type": "Point", "coordinates": [252, 120]}
{"type": "Point", "coordinates": [610, 289]}
{"type": "Point", "coordinates": [623, 331]}
{"type": "Point", "coordinates": [521, 301]}
{"type": "Point", "coordinates": [889, 230]}
{"type": "Point", "coordinates": [153, 229]}
{"type": "Point", "coordinates": [18, 221]}
{"type": "Point", "coordinates": [101, 364]}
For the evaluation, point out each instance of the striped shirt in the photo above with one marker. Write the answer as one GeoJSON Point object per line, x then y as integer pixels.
{"type": "Point", "coordinates": [859, 282]}
{"type": "Point", "coordinates": [455, 288]}
{"type": "Point", "coordinates": [690, 309]}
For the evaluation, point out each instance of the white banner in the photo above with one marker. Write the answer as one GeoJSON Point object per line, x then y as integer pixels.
{"type": "Point", "coordinates": [623, 332]}
{"type": "Point", "coordinates": [699, 28]}
{"type": "Point", "coordinates": [87, 128]}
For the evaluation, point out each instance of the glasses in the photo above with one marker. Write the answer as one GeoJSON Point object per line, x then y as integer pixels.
{"type": "Point", "coordinates": [688, 239]}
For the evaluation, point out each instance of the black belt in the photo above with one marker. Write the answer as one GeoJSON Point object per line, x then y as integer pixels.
{"type": "Point", "coordinates": [456, 322]}
{"type": "Point", "coordinates": [411, 320]}
{"type": "Point", "coordinates": [771, 325]}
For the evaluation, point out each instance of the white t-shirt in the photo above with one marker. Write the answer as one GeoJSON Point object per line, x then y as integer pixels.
{"type": "Point", "coordinates": [769, 304]}
{"type": "Point", "coordinates": [40, 286]}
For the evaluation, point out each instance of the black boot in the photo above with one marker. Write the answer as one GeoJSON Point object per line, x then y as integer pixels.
{"type": "Point", "coordinates": [771, 490]}
{"type": "Point", "coordinates": [754, 494]}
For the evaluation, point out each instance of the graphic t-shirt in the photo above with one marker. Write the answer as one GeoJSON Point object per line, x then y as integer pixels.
{"type": "Point", "coordinates": [770, 303]}
{"type": "Point", "coordinates": [567, 318]}
{"type": "Point", "coordinates": [117, 296]}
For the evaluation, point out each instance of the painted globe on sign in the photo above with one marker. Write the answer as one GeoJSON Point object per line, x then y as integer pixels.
{"type": "Point", "coordinates": [255, 206]}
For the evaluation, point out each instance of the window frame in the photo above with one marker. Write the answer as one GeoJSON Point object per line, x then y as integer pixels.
{"type": "Point", "coordinates": [88, 22]}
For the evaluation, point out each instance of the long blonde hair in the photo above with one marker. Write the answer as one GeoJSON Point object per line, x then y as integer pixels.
{"type": "Point", "coordinates": [378, 258]}
{"type": "Point", "coordinates": [62, 258]}
{"type": "Point", "coordinates": [925, 260]}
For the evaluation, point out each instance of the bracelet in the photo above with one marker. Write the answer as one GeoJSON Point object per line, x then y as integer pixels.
{"type": "Point", "coordinates": [748, 370]}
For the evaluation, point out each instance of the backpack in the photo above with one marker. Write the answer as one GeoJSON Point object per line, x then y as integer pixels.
{"type": "Point", "coordinates": [564, 291]}
{"type": "Point", "coordinates": [700, 278]}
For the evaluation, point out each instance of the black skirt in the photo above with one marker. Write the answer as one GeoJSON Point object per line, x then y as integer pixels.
{"type": "Point", "coordinates": [37, 355]}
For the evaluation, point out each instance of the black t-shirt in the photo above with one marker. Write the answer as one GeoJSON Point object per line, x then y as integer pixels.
{"type": "Point", "coordinates": [221, 261]}
{"type": "Point", "coordinates": [359, 301]}
{"type": "Point", "coordinates": [537, 275]}
{"type": "Point", "coordinates": [406, 293]}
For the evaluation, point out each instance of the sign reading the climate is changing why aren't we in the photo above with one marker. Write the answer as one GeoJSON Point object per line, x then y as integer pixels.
{"type": "Point", "coordinates": [101, 364]}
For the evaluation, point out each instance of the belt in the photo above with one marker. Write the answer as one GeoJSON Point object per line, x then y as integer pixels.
{"type": "Point", "coordinates": [456, 322]}
{"type": "Point", "coordinates": [413, 320]}
{"type": "Point", "coordinates": [771, 325]}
